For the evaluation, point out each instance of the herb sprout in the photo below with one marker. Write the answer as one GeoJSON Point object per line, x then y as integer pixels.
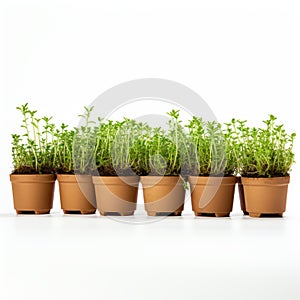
{"type": "Point", "coordinates": [159, 152]}
{"type": "Point", "coordinates": [114, 140]}
{"type": "Point", "coordinates": [209, 149]}
{"type": "Point", "coordinates": [264, 152]}
{"type": "Point", "coordinates": [64, 150]}
{"type": "Point", "coordinates": [33, 151]}
{"type": "Point", "coordinates": [74, 147]}
{"type": "Point", "coordinates": [84, 144]}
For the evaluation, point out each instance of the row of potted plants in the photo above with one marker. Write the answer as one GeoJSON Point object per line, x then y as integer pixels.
{"type": "Point", "coordinates": [99, 165]}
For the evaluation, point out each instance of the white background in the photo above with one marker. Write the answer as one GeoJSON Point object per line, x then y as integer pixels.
{"type": "Point", "coordinates": [242, 57]}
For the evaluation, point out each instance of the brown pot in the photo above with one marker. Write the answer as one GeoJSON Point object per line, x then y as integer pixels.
{"type": "Point", "coordinates": [265, 195]}
{"type": "Point", "coordinates": [163, 195]}
{"type": "Point", "coordinates": [242, 195]}
{"type": "Point", "coordinates": [33, 194]}
{"type": "Point", "coordinates": [116, 195]}
{"type": "Point", "coordinates": [77, 194]}
{"type": "Point", "coordinates": [212, 196]}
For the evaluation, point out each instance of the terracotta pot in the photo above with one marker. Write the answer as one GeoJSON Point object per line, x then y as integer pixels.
{"type": "Point", "coordinates": [116, 195]}
{"type": "Point", "coordinates": [242, 195]}
{"type": "Point", "coordinates": [212, 196]}
{"type": "Point", "coordinates": [33, 194]}
{"type": "Point", "coordinates": [265, 195]}
{"type": "Point", "coordinates": [163, 195]}
{"type": "Point", "coordinates": [77, 194]}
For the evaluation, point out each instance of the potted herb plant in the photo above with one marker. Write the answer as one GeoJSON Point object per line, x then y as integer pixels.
{"type": "Point", "coordinates": [33, 177]}
{"type": "Point", "coordinates": [212, 182]}
{"type": "Point", "coordinates": [266, 158]}
{"type": "Point", "coordinates": [116, 185]}
{"type": "Point", "coordinates": [160, 160]}
{"type": "Point", "coordinates": [73, 166]}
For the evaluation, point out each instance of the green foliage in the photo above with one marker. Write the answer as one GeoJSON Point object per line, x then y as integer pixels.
{"type": "Point", "coordinates": [33, 151]}
{"type": "Point", "coordinates": [129, 147]}
{"type": "Point", "coordinates": [262, 152]}
{"type": "Point", "coordinates": [114, 141]}
{"type": "Point", "coordinates": [64, 150]}
{"type": "Point", "coordinates": [84, 144]}
{"type": "Point", "coordinates": [74, 147]}
{"type": "Point", "coordinates": [160, 152]}
{"type": "Point", "coordinates": [210, 150]}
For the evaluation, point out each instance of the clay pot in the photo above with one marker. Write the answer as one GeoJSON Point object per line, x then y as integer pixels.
{"type": "Point", "coordinates": [242, 195]}
{"type": "Point", "coordinates": [265, 195]}
{"type": "Point", "coordinates": [77, 194]}
{"type": "Point", "coordinates": [212, 196]}
{"type": "Point", "coordinates": [116, 195]}
{"type": "Point", "coordinates": [33, 194]}
{"type": "Point", "coordinates": [163, 195]}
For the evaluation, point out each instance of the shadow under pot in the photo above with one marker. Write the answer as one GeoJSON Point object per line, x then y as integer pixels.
{"type": "Point", "coordinates": [242, 195]}
{"type": "Point", "coordinates": [77, 194]}
{"type": "Point", "coordinates": [33, 193]}
{"type": "Point", "coordinates": [212, 196]}
{"type": "Point", "coordinates": [265, 196]}
{"type": "Point", "coordinates": [116, 195]}
{"type": "Point", "coordinates": [163, 195]}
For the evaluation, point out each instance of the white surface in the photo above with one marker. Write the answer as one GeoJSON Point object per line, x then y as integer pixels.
{"type": "Point", "coordinates": [62, 257]}
{"type": "Point", "coordinates": [242, 57]}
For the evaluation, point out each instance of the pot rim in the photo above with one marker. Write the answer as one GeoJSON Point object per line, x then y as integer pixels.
{"type": "Point", "coordinates": [262, 181]}
{"type": "Point", "coordinates": [212, 180]}
{"type": "Point", "coordinates": [150, 181]}
{"type": "Point", "coordinates": [32, 178]}
{"type": "Point", "coordinates": [116, 180]}
{"type": "Point", "coordinates": [73, 178]}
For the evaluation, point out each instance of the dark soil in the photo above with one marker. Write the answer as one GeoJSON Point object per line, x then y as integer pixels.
{"type": "Point", "coordinates": [212, 175]}
{"type": "Point", "coordinates": [63, 171]}
{"type": "Point", "coordinates": [258, 176]}
{"type": "Point", "coordinates": [29, 170]}
{"type": "Point", "coordinates": [110, 171]}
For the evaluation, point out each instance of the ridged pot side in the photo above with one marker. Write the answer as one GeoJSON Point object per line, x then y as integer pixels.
{"type": "Point", "coordinates": [77, 194]}
{"type": "Point", "coordinates": [163, 195]}
{"type": "Point", "coordinates": [265, 195]}
{"type": "Point", "coordinates": [212, 196]}
{"type": "Point", "coordinates": [116, 195]}
{"type": "Point", "coordinates": [33, 193]}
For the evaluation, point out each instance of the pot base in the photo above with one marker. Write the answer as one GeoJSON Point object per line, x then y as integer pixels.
{"type": "Point", "coordinates": [164, 214]}
{"type": "Point", "coordinates": [79, 212]}
{"type": "Point", "coordinates": [261, 215]}
{"type": "Point", "coordinates": [33, 212]}
{"type": "Point", "coordinates": [217, 215]}
{"type": "Point", "coordinates": [122, 214]}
